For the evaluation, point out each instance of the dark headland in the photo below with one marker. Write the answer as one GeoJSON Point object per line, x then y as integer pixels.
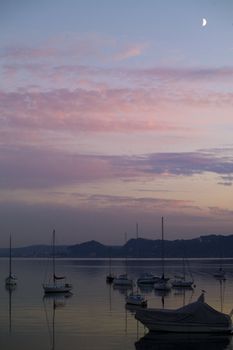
{"type": "Point", "coordinates": [211, 246]}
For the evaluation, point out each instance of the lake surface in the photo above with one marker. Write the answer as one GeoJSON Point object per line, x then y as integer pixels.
{"type": "Point", "coordinates": [95, 317]}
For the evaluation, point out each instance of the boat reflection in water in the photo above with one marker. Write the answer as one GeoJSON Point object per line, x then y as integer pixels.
{"type": "Point", "coordinates": [53, 301]}
{"type": "Point", "coordinates": [146, 288]}
{"type": "Point", "coordinates": [178, 341]}
{"type": "Point", "coordinates": [122, 289]}
{"type": "Point", "coordinates": [10, 288]}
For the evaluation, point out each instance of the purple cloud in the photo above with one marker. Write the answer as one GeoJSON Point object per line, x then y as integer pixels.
{"type": "Point", "coordinates": [24, 167]}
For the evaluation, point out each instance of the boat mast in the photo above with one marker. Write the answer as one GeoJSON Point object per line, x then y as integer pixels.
{"type": "Point", "coordinates": [10, 269]}
{"type": "Point", "coordinates": [137, 252]}
{"type": "Point", "coordinates": [126, 260]}
{"type": "Point", "coordinates": [53, 256]}
{"type": "Point", "coordinates": [110, 262]}
{"type": "Point", "coordinates": [162, 256]}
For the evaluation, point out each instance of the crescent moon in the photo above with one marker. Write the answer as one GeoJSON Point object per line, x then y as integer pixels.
{"type": "Point", "coordinates": [204, 22]}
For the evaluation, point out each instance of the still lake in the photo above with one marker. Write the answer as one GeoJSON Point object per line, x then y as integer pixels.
{"type": "Point", "coordinates": [95, 317]}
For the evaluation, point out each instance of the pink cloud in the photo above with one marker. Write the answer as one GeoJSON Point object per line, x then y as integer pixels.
{"type": "Point", "coordinates": [21, 52]}
{"type": "Point", "coordinates": [113, 110]}
{"type": "Point", "coordinates": [129, 52]}
{"type": "Point", "coordinates": [108, 110]}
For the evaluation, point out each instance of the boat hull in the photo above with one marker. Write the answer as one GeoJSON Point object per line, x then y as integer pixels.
{"type": "Point", "coordinates": [182, 284]}
{"type": "Point", "coordinates": [136, 300]}
{"type": "Point", "coordinates": [196, 317]}
{"type": "Point", "coordinates": [185, 328]}
{"type": "Point", "coordinates": [57, 289]}
{"type": "Point", "coordinates": [133, 303]}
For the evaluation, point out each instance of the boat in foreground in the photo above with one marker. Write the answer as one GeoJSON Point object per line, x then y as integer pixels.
{"type": "Point", "coordinates": [197, 317]}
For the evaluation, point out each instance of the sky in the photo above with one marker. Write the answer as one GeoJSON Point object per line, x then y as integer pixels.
{"type": "Point", "coordinates": [112, 113]}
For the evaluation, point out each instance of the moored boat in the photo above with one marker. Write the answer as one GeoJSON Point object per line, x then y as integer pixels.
{"type": "Point", "coordinates": [122, 280]}
{"type": "Point", "coordinates": [136, 299]}
{"type": "Point", "coordinates": [163, 282]}
{"type": "Point", "coordinates": [220, 274]}
{"type": "Point", "coordinates": [56, 284]}
{"type": "Point", "coordinates": [196, 317]}
{"type": "Point", "coordinates": [10, 280]}
{"type": "Point", "coordinates": [147, 278]}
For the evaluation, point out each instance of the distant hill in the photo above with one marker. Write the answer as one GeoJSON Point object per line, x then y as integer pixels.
{"type": "Point", "coordinates": [212, 246]}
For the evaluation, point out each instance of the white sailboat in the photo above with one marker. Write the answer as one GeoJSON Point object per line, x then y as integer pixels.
{"type": "Point", "coordinates": [10, 280]}
{"type": "Point", "coordinates": [56, 284]}
{"type": "Point", "coordinates": [163, 282]}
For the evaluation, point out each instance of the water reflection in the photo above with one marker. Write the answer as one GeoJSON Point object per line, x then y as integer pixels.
{"type": "Point", "coordinates": [95, 317]}
{"type": "Point", "coordinates": [52, 302]}
{"type": "Point", "coordinates": [184, 292]}
{"type": "Point", "coordinates": [222, 285]}
{"type": "Point", "coordinates": [123, 289]}
{"type": "Point", "coordinates": [163, 341]}
{"type": "Point", "coordinates": [10, 288]}
{"type": "Point", "coordinates": [146, 289]}
{"type": "Point", "coordinates": [162, 294]}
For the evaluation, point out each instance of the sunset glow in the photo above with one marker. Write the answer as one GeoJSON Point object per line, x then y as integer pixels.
{"type": "Point", "coordinates": [111, 115]}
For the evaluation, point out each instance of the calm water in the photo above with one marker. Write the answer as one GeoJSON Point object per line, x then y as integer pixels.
{"type": "Point", "coordinates": [94, 317]}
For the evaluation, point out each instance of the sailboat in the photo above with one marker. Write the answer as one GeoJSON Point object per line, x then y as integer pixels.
{"type": "Point", "coordinates": [123, 280]}
{"type": "Point", "coordinates": [56, 283]}
{"type": "Point", "coordinates": [162, 283]}
{"type": "Point", "coordinates": [181, 281]}
{"type": "Point", "coordinates": [110, 277]}
{"type": "Point", "coordinates": [11, 280]}
{"type": "Point", "coordinates": [220, 273]}
{"type": "Point", "coordinates": [135, 298]}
